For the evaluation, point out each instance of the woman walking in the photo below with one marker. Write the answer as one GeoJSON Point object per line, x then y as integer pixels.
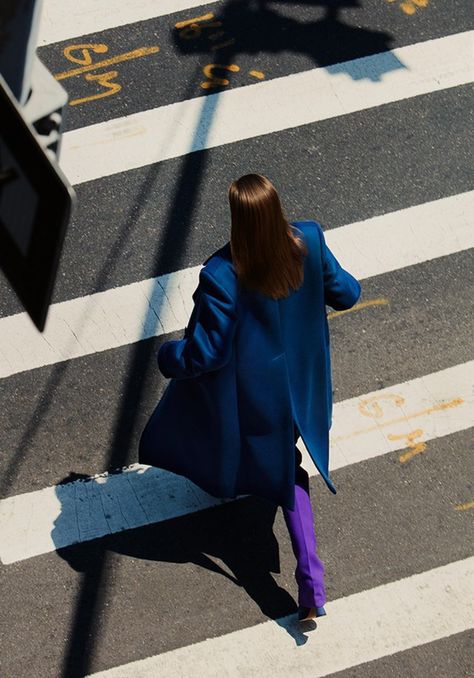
{"type": "Point", "coordinates": [252, 372]}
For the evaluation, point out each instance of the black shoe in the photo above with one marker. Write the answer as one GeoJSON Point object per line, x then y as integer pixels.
{"type": "Point", "coordinates": [307, 613]}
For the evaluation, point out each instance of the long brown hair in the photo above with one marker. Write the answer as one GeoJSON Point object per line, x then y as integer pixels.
{"type": "Point", "coordinates": [266, 252]}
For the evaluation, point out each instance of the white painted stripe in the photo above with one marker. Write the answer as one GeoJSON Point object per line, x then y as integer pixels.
{"type": "Point", "coordinates": [359, 628]}
{"type": "Point", "coordinates": [66, 19]}
{"type": "Point", "coordinates": [98, 322]}
{"type": "Point", "coordinates": [162, 305]}
{"type": "Point", "coordinates": [403, 415]}
{"type": "Point", "coordinates": [171, 131]}
{"type": "Point", "coordinates": [40, 522]}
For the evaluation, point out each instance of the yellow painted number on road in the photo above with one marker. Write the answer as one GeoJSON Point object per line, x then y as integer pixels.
{"type": "Point", "coordinates": [371, 407]}
{"type": "Point", "coordinates": [85, 58]}
{"type": "Point", "coordinates": [214, 80]}
{"type": "Point", "coordinates": [413, 446]}
{"type": "Point", "coordinates": [84, 54]}
{"type": "Point", "coordinates": [189, 29]}
{"type": "Point", "coordinates": [104, 80]}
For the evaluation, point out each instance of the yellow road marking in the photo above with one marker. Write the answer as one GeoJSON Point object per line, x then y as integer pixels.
{"type": "Point", "coordinates": [134, 54]}
{"type": "Point", "coordinates": [223, 44]}
{"type": "Point", "coordinates": [214, 81]}
{"type": "Point", "coordinates": [414, 448]}
{"type": "Point", "coordinates": [104, 80]}
{"type": "Point", "coordinates": [374, 400]}
{"type": "Point", "coordinates": [380, 301]}
{"type": "Point", "coordinates": [85, 50]}
{"type": "Point", "coordinates": [464, 507]}
{"type": "Point", "coordinates": [410, 6]}
{"type": "Point", "coordinates": [188, 22]}
{"type": "Point", "coordinates": [429, 410]}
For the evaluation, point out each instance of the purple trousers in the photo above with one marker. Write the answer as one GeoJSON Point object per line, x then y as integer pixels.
{"type": "Point", "coordinates": [309, 573]}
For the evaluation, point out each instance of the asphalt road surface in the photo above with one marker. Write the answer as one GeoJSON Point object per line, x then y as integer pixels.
{"type": "Point", "coordinates": [361, 113]}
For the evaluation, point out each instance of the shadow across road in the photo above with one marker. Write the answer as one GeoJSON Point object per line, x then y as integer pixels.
{"type": "Point", "coordinates": [238, 533]}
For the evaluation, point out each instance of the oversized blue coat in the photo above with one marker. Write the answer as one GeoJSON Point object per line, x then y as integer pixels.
{"type": "Point", "coordinates": [247, 369]}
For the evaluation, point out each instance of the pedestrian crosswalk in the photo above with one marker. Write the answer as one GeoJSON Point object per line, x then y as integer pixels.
{"type": "Point", "coordinates": [120, 315]}
{"type": "Point", "coordinates": [66, 19]}
{"type": "Point", "coordinates": [56, 517]}
{"type": "Point", "coordinates": [125, 570]}
{"type": "Point", "coordinates": [149, 136]}
{"type": "Point", "coordinates": [394, 616]}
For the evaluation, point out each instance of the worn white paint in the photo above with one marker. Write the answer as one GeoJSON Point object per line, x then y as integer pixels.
{"type": "Point", "coordinates": [428, 407]}
{"type": "Point", "coordinates": [98, 322]}
{"type": "Point", "coordinates": [358, 628]}
{"type": "Point", "coordinates": [67, 19]}
{"type": "Point", "coordinates": [42, 521]}
{"type": "Point", "coordinates": [154, 135]}
{"type": "Point", "coordinates": [124, 315]}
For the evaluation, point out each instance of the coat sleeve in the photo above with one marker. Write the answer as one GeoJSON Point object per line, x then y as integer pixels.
{"type": "Point", "coordinates": [341, 289]}
{"type": "Point", "coordinates": [209, 344]}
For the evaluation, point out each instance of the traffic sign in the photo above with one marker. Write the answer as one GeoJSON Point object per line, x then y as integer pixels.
{"type": "Point", "coordinates": [35, 205]}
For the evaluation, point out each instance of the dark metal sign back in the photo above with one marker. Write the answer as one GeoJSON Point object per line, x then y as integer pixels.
{"type": "Point", "coordinates": [35, 205]}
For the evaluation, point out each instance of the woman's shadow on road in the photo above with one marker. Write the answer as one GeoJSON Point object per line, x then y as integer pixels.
{"type": "Point", "coordinates": [239, 533]}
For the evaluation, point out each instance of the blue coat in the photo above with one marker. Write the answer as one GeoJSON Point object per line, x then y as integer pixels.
{"type": "Point", "coordinates": [246, 370]}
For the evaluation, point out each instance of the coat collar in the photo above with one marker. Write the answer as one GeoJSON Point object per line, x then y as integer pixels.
{"type": "Point", "coordinates": [223, 252]}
